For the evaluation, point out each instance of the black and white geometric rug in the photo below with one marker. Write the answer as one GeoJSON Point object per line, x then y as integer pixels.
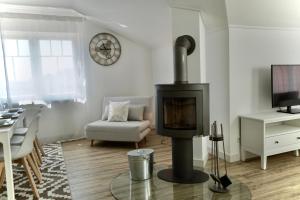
{"type": "Point", "coordinates": [54, 185]}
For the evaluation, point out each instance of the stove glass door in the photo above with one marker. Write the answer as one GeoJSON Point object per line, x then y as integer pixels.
{"type": "Point", "coordinates": [179, 113]}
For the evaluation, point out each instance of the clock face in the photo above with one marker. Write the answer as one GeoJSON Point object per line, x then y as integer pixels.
{"type": "Point", "coordinates": [105, 49]}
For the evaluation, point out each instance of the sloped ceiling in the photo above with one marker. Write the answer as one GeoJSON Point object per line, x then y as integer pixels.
{"type": "Point", "coordinates": [145, 21]}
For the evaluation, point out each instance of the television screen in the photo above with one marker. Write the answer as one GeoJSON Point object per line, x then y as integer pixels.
{"type": "Point", "coordinates": [285, 85]}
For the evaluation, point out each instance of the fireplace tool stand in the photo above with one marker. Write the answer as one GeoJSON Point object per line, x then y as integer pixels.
{"type": "Point", "coordinates": [220, 183]}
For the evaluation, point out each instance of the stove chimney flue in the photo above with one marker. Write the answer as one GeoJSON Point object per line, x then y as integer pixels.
{"type": "Point", "coordinates": [184, 46]}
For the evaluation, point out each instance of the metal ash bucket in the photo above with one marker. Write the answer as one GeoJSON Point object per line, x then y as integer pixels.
{"type": "Point", "coordinates": [140, 164]}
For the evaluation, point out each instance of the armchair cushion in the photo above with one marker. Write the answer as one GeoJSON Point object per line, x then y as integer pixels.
{"type": "Point", "coordinates": [118, 111]}
{"type": "Point", "coordinates": [136, 112]}
{"type": "Point", "coordinates": [117, 131]}
{"type": "Point", "coordinates": [121, 127]}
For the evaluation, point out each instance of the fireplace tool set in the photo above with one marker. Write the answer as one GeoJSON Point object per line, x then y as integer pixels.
{"type": "Point", "coordinates": [220, 183]}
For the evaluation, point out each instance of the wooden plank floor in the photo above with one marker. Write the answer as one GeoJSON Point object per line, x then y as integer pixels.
{"type": "Point", "coordinates": [91, 169]}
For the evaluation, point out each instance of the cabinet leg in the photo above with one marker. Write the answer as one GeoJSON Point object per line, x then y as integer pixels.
{"type": "Point", "coordinates": [243, 154]}
{"type": "Point", "coordinates": [263, 162]}
{"type": "Point", "coordinates": [297, 152]}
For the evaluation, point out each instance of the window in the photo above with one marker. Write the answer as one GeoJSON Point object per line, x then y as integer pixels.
{"type": "Point", "coordinates": [40, 69]}
{"type": "Point", "coordinates": [41, 55]}
{"type": "Point", "coordinates": [57, 65]}
{"type": "Point", "coordinates": [18, 60]}
{"type": "Point", "coordinates": [18, 66]}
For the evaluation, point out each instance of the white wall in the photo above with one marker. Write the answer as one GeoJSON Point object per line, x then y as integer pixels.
{"type": "Point", "coordinates": [217, 70]}
{"type": "Point", "coordinates": [252, 51]}
{"type": "Point", "coordinates": [202, 49]}
{"type": "Point", "coordinates": [162, 64]}
{"type": "Point", "coordinates": [200, 143]}
{"type": "Point", "coordinates": [187, 22]}
{"type": "Point", "coordinates": [181, 22]}
{"type": "Point", "coordinates": [131, 75]}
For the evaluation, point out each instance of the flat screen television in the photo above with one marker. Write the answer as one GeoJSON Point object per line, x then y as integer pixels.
{"type": "Point", "coordinates": [285, 81]}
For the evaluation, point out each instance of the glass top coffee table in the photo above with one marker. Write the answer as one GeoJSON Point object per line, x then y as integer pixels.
{"type": "Point", "coordinates": [123, 188]}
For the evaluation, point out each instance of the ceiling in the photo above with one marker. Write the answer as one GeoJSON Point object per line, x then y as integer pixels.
{"type": "Point", "coordinates": [264, 13]}
{"type": "Point", "coordinates": [149, 21]}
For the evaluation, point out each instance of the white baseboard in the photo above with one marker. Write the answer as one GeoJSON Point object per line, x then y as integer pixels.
{"type": "Point", "coordinates": [199, 163]}
{"type": "Point", "coordinates": [49, 140]}
{"type": "Point", "coordinates": [234, 157]}
{"type": "Point", "coordinates": [229, 157]}
{"type": "Point", "coordinates": [72, 139]}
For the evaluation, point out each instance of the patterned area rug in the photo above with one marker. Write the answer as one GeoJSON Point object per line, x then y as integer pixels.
{"type": "Point", "coordinates": [54, 185]}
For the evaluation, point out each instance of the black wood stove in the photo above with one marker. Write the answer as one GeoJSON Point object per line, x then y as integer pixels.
{"type": "Point", "coordinates": [182, 112]}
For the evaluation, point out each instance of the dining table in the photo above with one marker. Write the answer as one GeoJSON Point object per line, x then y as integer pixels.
{"type": "Point", "coordinates": [6, 133]}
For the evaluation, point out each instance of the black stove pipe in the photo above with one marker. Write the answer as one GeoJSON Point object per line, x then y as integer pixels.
{"type": "Point", "coordinates": [184, 46]}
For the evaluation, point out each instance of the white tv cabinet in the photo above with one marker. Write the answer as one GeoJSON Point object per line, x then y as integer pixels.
{"type": "Point", "coordinates": [269, 133]}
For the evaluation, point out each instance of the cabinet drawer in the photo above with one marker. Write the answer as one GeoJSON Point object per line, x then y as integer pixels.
{"type": "Point", "coordinates": [282, 140]}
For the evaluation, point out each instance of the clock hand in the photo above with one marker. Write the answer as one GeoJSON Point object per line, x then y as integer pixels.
{"type": "Point", "coordinates": [103, 46]}
{"type": "Point", "coordinates": [106, 48]}
{"type": "Point", "coordinates": [108, 45]}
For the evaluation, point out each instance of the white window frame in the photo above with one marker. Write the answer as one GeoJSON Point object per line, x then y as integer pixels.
{"type": "Point", "coordinates": [36, 64]}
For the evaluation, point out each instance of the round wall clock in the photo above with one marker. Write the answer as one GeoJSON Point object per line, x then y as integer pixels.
{"type": "Point", "coordinates": [105, 49]}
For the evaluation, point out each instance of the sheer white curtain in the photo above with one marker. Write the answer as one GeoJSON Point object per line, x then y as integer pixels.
{"type": "Point", "coordinates": [3, 89]}
{"type": "Point", "coordinates": [41, 58]}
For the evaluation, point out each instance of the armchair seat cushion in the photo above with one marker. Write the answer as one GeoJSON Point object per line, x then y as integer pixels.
{"type": "Point", "coordinates": [118, 131]}
{"type": "Point", "coordinates": [121, 127]}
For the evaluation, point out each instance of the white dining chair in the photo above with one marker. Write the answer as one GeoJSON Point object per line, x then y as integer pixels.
{"type": "Point", "coordinates": [23, 154]}
{"type": "Point", "coordinates": [20, 132]}
{"type": "Point", "coordinates": [17, 140]}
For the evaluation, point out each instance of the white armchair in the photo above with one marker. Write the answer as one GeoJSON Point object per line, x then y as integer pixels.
{"type": "Point", "coordinates": [129, 131]}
